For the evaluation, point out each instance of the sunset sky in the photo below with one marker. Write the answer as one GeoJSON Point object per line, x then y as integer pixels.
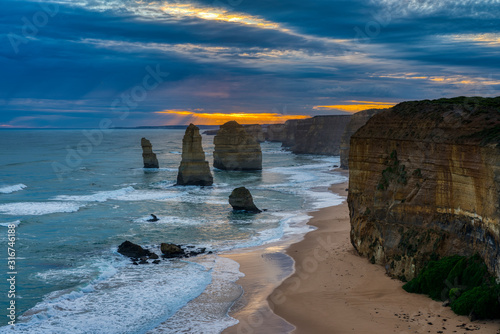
{"type": "Point", "coordinates": [72, 63]}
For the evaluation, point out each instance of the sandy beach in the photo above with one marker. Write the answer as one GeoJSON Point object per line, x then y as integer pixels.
{"type": "Point", "coordinates": [333, 290]}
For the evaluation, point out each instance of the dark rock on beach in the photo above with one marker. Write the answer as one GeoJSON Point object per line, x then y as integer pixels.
{"type": "Point", "coordinates": [132, 250]}
{"type": "Point", "coordinates": [171, 251]}
{"type": "Point", "coordinates": [241, 199]}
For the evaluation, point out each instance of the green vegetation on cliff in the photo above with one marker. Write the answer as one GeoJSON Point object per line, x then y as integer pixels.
{"type": "Point", "coordinates": [464, 281]}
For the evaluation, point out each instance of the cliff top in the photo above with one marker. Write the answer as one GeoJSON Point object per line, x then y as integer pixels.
{"type": "Point", "coordinates": [465, 120]}
{"type": "Point", "coordinates": [231, 125]}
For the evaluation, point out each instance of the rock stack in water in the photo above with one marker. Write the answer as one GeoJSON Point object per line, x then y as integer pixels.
{"type": "Point", "coordinates": [150, 160]}
{"type": "Point", "coordinates": [241, 199]}
{"type": "Point", "coordinates": [235, 149]}
{"type": "Point", "coordinates": [194, 170]}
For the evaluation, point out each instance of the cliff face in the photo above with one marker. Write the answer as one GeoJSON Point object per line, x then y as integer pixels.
{"type": "Point", "coordinates": [256, 131]}
{"type": "Point", "coordinates": [275, 132]}
{"type": "Point", "coordinates": [148, 157]}
{"type": "Point", "coordinates": [425, 183]}
{"type": "Point", "coordinates": [235, 149]}
{"type": "Point", "coordinates": [288, 138]}
{"type": "Point", "coordinates": [316, 135]}
{"type": "Point", "coordinates": [194, 170]}
{"type": "Point", "coordinates": [357, 120]}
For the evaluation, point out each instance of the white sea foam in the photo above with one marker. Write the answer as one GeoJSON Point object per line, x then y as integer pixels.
{"type": "Point", "coordinates": [176, 221]}
{"type": "Point", "coordinates": [208, 313]}
{"type": "Point", "coordinates": [123, 194]}
{"type": "Point", "coordinates": [277, 152]}
{"type": "Point", "coordinates": [132, 299]}
{"type": "Point", "coordinates": [147, 195]}
{"type": "Point", "coordinates": [84, 272]}
{"type": "Point", "coordinates": [11, 189]}
{"type": "Point", "coordinates": [323, 199]}
{"type": "Point", "coordinates": [38, 208]}
{"type": "Point", "coordinates": [16, 223]}
{"type": "Point", "coordinates": [101, 196]}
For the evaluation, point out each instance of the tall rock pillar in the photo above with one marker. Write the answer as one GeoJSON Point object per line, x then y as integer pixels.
{"type": "Point", "coordinates": [149, 158]}
{"type": "Point", "coordinates": [194, 170]}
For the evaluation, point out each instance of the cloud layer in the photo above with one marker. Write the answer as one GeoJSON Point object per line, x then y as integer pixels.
{"type": "Point", "coordinates": [72, 63]}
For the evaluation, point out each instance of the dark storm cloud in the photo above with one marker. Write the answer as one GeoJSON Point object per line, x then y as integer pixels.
{"type": "Point", "coordinates": [71, 69]}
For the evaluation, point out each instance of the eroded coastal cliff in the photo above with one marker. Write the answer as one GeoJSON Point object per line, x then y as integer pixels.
{"type": "Point", "coordinates": [425, 183]}
{"type": "Point", "coordinates": [357, 120]}
{"type": "Point", "coordinates": [316, 135]}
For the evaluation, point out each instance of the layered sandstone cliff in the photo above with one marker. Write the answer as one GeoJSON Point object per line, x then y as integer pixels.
{"type": "Point", "coordinates": [275, 132]}
{"type": "Point", "coordinates": [235, 149]}
{"type": "Point", "coordinates": [316, 135]}
{"type": "Point", "coordinates": [148, 157]}
{"type": "Point", "coordinates": [256, 131]}
{"type": "Point", "coordinates": [425, 183]}
{"type": "Point", "coordinates": [357, 120]}
{"type": "Point", "coordinates": [193, 170]}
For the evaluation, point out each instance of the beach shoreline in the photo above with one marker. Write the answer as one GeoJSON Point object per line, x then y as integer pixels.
{"type": "Point", "coordinates": [333, 290]}
{"type": "Point", "coordinates": [265, 268]}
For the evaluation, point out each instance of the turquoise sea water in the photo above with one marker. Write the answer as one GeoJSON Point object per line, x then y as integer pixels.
{"type": "Point", "coordinates": [76, 195]}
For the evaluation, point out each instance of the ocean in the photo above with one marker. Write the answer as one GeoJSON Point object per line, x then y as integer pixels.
{"type": "Point", "coordinates": [75, 195]}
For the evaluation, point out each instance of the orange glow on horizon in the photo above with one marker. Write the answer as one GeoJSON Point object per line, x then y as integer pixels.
{"type": "Point", "coordinates": [186, 116]}
{"type": "Point", "coordinates": [356, 106]}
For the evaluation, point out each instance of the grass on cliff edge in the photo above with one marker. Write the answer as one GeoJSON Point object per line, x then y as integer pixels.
{"type": "Point", "coordinates": [464, 281]}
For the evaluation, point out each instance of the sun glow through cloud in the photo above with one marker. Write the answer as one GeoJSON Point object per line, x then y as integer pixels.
{"type": "Point", "coordinates": [355, 106]}
{"type": "Point", "coordinates": [218, 14]}
{"type": "Point", "coordinates": [186, 117]}
{"type": "Point", "coordinates": [451, 79]}
{"type": "Point", "coordinates": [492, 40]}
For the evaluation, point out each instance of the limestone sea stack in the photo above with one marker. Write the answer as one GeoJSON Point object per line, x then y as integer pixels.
{"type": "Point", "coordinates": [424, 183]}
{"type": "Point", "coordinates": [235, 149]}
{"type": "Point", "coordinates": [193, 170]}
{"type": "Point", "coordinates": [357, 120]}
{"type": "Point", "coordinates": [149, 158]}
{"type": "Point", "coordinates": [241, 199]}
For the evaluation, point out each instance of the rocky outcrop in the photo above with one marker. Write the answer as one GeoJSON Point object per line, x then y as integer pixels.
{"type": "Point", "coordinates": [425, 183]}
{"type": "Point", "coordinates": [275, 133]}
{"type": "Point", "coordinates": [194, 170]}
{"type": "Point", "coordinates": [317, 135]}
{"type": "Point", "coordinates": [149, 158]}
{"type": "Point", "coordinates": [357, 120]}
{"type": "Point", "coordinates": [241, 200]}
{"type": "Point", "coordinates": [171, 251]}
{"type": "Point", "coordinates": [256, 131]}
{"type": "Point", "coordinates": [235, 149]}
{"type": "Point", "coordinates": [137, 253]}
